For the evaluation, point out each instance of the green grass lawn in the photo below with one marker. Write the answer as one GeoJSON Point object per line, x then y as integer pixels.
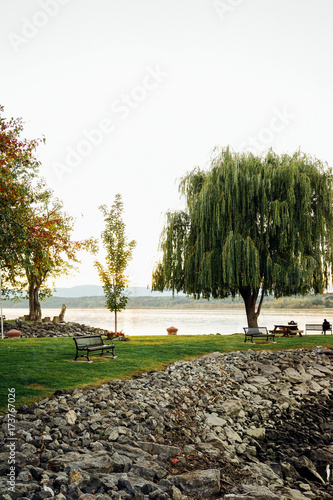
{"type": "Point", "coordinates": [37, 367]}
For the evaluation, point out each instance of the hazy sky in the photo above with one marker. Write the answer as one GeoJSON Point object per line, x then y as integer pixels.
{"type": "Point", "coordinates": [132, 94]}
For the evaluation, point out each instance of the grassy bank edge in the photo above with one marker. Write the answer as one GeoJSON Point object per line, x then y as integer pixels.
{"type": "Point", "coordinates": [37, 367]}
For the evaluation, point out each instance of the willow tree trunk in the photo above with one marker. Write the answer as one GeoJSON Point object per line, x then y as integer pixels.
{"type": "Point", "coordinates": [250, 297]}
{"type": "Point", "coordinates": [35, 311]}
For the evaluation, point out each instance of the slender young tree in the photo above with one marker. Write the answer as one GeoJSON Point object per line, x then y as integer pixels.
{"type": "Point", "coordinates": [252, 226]}
{"type": "Point", "coordinates": [118, 254]}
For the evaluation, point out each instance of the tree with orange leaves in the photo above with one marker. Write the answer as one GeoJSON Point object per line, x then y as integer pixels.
{"type": "Point", "coordinates": [35, 232]}
{"type": "Point", "coordinates": [18, 168]}
{"type": "Point", "coordinates": [50, 251]}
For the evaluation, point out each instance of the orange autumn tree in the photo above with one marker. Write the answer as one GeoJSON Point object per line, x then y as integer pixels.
{"type": "Point", "coordinates": [35, 232]}
{"type": "Point", "coordinates": [18, 168]}
{"type": "Point", "coordinates": [49, 252]}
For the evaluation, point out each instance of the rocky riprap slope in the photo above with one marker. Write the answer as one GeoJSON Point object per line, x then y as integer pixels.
{"type": "Point", "coordinates": [252, 425]}
{"type": "Point", "coordinates": [50, 329]}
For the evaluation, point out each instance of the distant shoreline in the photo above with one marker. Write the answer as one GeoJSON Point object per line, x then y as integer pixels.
{"type": "Point", "coordinates": [189, 322]}
{"type": "Point", "coordinates": [319, 302]}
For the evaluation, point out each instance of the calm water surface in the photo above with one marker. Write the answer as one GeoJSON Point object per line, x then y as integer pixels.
{"type": "Point", "coordinates": [188, 322]}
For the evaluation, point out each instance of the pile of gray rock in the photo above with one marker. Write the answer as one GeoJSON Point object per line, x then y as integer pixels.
{"type": "Point", "coordinates": [251, 425]}
{"type": "Point", "coordinates": [51, 329]}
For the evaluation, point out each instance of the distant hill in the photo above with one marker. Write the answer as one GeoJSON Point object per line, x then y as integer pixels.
{"type": "Point", "coordinates": [97, 291]}
{"type": "Point", "coordinates": [92, 297]}
{"type": "Point", "coordinates": [79, 291]}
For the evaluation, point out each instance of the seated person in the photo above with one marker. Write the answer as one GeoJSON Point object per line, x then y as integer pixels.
{"type": "Point", "coordinates": [326, 326]}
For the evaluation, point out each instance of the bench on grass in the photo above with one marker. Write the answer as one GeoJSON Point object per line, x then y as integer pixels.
{"type": "Point", "coordinates": [258, 331]}
{"type": "Point", "coordinates": [91, 344]}
{"type": "Point", "coordinates": [317, 328]}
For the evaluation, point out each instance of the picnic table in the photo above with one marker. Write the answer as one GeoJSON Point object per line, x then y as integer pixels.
{"type": "Point", "coordinates": [287, 330]}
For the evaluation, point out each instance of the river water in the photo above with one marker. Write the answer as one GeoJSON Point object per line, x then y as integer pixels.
{"type": "Point", "coordinates": [188, 322]}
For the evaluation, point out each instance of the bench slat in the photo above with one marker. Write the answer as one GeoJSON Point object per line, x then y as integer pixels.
{"type": "Point", "coordinates": [259, 331]}
{"type": "Point", "coordinates": [91, 343]}
{"type": "Point", "coordinates": [315, 327]}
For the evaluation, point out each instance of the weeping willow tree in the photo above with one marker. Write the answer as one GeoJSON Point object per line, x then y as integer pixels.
{"type": "Point", "coordinates": [253, 226]}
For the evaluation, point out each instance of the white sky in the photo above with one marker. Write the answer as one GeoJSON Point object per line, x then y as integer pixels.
{"type": "Point", "coordinates": [165, 81]}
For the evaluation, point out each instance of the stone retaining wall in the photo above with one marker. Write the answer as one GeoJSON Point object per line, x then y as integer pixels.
{"type": "Point", "coordinates": [50, 329]}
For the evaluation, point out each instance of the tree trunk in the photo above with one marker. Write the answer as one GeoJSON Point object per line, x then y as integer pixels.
{"type": "Point", "coordinates": [35, 311]}
{"type": "Point", "coordinates": [62, 313]}
{"type": "Point", "coordinates": [250, 296]}
{"type": "Point", "coordinates": [115, 309]}
{"type": "Point", "coordinates": [31, 303]}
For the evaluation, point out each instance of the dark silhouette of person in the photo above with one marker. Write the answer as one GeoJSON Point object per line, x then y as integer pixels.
{"type": "Point", "coordinates": [326, 326]}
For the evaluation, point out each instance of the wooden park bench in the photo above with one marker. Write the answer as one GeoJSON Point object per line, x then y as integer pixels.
{"type": "Point", "coordinates": [316, 328]}
{"type": "Point", "coordinates": [258, 331]}
{"type": "Point", "coordinates": [91, 344]}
